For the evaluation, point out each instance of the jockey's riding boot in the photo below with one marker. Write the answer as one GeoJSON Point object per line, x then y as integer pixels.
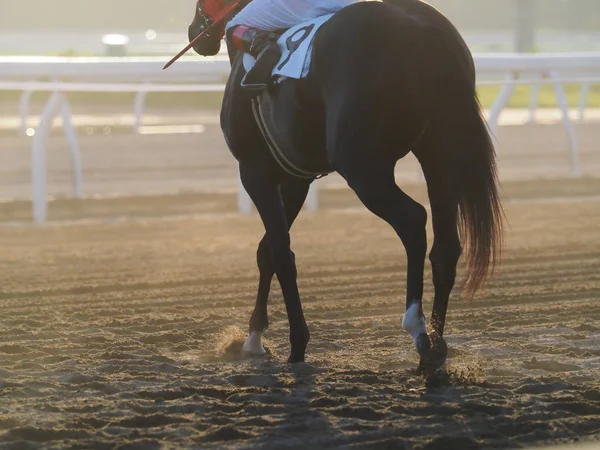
{"type": "Point", "coordinates": [263, 46]}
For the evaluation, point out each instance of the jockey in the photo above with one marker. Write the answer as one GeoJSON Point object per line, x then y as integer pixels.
{"type": "Point", "coordinates": [253, 30]}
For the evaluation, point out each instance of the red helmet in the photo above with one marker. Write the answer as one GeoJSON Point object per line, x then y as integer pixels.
{"type": "Point", "coordinates": [214, 8]}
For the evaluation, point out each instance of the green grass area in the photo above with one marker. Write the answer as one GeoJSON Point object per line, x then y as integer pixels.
{"type": "Point", "coordinates": [202, 100]}
{"type": "Point", "coordinates": [212, 100]}
{"type": "Point", "coordinates": [546, 99]}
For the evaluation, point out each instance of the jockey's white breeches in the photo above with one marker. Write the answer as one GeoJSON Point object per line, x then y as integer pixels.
{"type": "Point", "coordinates": [272, 15]}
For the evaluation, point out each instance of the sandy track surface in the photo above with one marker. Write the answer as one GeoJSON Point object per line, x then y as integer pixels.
{"type": "Point", "coordinates": [116, 317]}
{"type": "Point", "coordinates": [112, 336]}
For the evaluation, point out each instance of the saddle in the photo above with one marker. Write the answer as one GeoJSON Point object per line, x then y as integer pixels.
{"type": "Point", "coordinates": [281, 130]}
{"type": "Point", "coordinates": [288, 138]}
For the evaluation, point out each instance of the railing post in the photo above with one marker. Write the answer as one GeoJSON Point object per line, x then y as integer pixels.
{"type": "Point", "coordinates": [244, 200]}
{"type": "Point", "coordinates": [561, 98]}
{"type": "Point", "coordinates": [583, 97]}
{"type": "Point", "coordinates": [138, 109]}
{"type": "Point", "coordinates": [312, 199]}
{"type": "Point", "coordinates": [533, 100]}
{"type": "Point", "coordinates": [38, 159]}
{"type": "Point", "coordinates": [71, 135]}
{"type": "Point", "coordinates": [24, 111]}
{"type": "Point", "coordinates": [500, 103]}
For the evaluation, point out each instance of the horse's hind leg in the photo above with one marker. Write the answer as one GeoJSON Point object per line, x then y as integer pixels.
{"type": "Point", "coordinates": [293, 194]}
{"type": "Point", "coordinates": [377, 189]}
{"type": "Point", "coordinates": [445, 252]}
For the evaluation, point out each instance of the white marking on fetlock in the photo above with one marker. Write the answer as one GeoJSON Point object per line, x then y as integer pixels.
{"type": "Point", "coordinates": [253, 345]}
{"type": "Point", "coordinates": [414, 321]}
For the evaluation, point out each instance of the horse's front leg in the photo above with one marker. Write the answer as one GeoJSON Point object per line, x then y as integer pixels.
{"type": "Point", "coordinates": [294, 194]}
{"type": "Point", "coordinates": [266, 195]}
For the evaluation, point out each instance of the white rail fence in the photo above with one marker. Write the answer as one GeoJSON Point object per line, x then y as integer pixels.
{"type": "Point", "coordinates": [144, 75]}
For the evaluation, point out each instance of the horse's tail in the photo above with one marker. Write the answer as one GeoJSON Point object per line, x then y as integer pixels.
{"type": "Point", "coordinates": [474, 180]}
{"type": "Point", "coordinates": [466, 156]}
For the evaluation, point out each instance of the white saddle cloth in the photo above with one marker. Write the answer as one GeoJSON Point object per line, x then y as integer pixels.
{"type": "Point", "coordinates": [296, 46]}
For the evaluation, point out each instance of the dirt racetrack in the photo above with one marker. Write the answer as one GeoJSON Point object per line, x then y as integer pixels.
{"type": "Point", "coordinates": [112, 332]}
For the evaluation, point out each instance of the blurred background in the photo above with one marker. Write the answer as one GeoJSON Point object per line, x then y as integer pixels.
{"type": "Point", "coordinates": [120, 127]}
{"type": "Point", "coordinates": [158, 27]}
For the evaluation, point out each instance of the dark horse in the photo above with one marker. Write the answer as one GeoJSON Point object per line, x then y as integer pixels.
{"type": "Point", "coordinates": [386, 78]}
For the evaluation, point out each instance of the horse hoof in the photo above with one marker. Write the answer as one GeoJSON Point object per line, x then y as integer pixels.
{"type": "Point", "coordinates": [253, 345]}
{"type": "Point", "coordinates": [296, 357]}
{"type": "Point", "coordinates": [294, 360]}
{"type": "Point", "coordinates": [433, 350]}
{"type": "Point", "coordinates": [299, 343]}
